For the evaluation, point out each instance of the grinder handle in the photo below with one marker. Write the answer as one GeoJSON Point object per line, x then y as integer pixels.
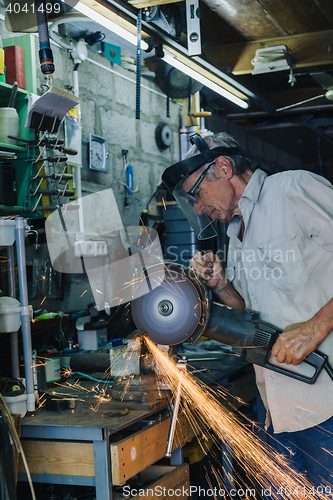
{"type": "Point", "coordinates": [316, 359]}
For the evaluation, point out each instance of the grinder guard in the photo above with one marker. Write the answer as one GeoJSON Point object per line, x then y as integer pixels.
{"type": "Point", "coordinates": [179, 309]}
{"type": "Point", "coordinates": [176, 310]}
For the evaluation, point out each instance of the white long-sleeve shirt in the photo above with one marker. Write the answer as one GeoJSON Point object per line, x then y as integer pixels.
{"type": "Point", "coordinates": [283, 268]}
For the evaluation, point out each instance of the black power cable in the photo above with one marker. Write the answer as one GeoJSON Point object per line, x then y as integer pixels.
{"type": "Point", "coordinates": [45, 51]}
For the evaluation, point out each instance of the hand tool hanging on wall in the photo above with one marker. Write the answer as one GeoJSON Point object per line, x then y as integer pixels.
{"type": "Point", "coordinates": [50, 159]}
{"type": "Point", "coordinates": [128, 176]}
{"type": "Point", "coordinates": [57, 144]}
{"type": "Point", "coordinates": [45, 51]}
{"type": "Point", "coordinates": [180, 309]}
{"type": "Point", "coordinates": [48, 168]}
{"type": "Point", "coordinates": [54, 192]}
{"type": "Point", "coordinates": [124, 155]}
{"type": "Point", "coordinates": [57, 177]}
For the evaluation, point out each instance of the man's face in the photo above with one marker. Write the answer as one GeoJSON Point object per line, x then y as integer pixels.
{"type": "Point", "coordinates": [215, 198]}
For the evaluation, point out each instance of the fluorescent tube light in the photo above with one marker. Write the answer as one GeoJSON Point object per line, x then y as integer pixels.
{"type": "Point", "coordinates": [110, 25]}
{"type": "Point", "coordinates": [204, 80]}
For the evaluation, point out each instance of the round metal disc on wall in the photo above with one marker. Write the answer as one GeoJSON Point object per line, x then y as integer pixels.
{"type": "Point", "coordinates": [163, 135]}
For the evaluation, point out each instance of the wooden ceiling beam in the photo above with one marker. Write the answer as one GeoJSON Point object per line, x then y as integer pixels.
{"type": "Point", "coordinates": [308, 49]}
{"type": "Point", "coordinates": [141, 4]}
{"type": "Point", "coordinates": [295, 94]}
{"type": "Point", "coordinates": [107, 10]}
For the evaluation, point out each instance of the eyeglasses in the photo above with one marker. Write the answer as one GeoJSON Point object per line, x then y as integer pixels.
{"type": "Point", "coordinates": [192, 197]}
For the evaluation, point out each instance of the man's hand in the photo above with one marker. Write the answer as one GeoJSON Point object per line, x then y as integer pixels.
{"type": "Point", "coordinates": [208, 267]}
{"type": "Point", "coordinates": [297, 341]}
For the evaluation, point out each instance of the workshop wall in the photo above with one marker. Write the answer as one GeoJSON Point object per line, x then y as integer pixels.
{"type": "Point", "coordinates": [107, 93]}
{"type": "Point", "coordinates": [108, 110]}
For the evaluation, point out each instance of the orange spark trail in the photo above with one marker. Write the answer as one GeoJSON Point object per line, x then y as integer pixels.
{"type": "Point", "coordinates": [261, 467]}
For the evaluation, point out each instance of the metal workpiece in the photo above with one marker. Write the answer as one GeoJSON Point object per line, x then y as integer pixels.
{"type": "Point", "coordinates": [20, 229]}
{"type": "Point", "coordinates": [143, 389]}
{"type": "Point", "coordinates": [182, 366]}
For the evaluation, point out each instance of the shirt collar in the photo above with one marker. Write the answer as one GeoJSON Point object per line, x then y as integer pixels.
{"type": "Point", "coordinates": [253, 187]}
{"type": "Point", "coordinates": [249, 197]}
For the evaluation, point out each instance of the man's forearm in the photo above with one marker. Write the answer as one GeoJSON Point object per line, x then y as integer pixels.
{"type": "Point", "coordinates": [324, 320]}
{"type": "Point", "coordinates": [230, 297]}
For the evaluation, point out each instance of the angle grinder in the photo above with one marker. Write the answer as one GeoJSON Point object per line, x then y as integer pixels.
{"type": "Point", "coordinates": [178, 307]}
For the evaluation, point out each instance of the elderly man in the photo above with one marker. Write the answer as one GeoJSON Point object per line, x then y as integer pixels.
{"type": "Point", "coordinates": [280, 263]}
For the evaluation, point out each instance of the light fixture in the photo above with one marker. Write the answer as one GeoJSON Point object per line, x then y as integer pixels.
{"type": "Point", "coordinates": [192, 73]}
{"type": "Point", "coordinates": [107, 23]}
{"type": "Point", "coordinates": [187, 65]}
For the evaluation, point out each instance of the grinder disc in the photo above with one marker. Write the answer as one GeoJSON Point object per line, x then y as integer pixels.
{"type": "Point", "coordinates": [174, 309]}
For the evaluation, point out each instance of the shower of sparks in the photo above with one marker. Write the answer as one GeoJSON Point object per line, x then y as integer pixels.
{"type": "Point", "coordinates": [83, 293]}
{"type": "Point", "coordinates": [43, 300]}
{"type": "Point", "coordinates": [122, 355]}
{"type": "Point", "coordinates": [66, 372]}
{"type": "Point", "coordinates": [261, 467]}
{"type": "Point", "coordinates": [164, 205]}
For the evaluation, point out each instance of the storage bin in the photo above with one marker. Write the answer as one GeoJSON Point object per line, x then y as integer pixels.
{"type": "Point", "coordinates": [10, 315]}
{"type": "Point", "coordinates": [7, 233]}
{"type": "Point", "coordinates": [17, 405]}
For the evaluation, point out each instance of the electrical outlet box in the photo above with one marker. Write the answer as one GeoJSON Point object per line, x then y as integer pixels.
{"type": "Point", "coordinates": [90, 248]}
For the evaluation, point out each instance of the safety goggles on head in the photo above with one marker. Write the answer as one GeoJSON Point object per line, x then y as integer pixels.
{"type": "Point", "coordinates": [174, 177]}
{"type": "Point", "coordinates": [191, 194]}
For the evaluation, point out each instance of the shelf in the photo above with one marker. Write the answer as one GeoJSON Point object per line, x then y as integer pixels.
{"type": "Point", "coordinates": [18, 210]}
{"type": "Point", "coordinates": [12, 147]}
{"type": "Point", "coordinates": [5, 90]}
{"type": "Point", "coordinates": [7, 208]}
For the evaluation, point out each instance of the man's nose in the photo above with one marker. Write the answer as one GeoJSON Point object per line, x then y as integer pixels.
{"type": "Point", "coordinates": [199, 207]}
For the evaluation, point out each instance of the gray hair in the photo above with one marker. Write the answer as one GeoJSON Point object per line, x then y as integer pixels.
{"type": "Point", "coordinates": [239, 163]}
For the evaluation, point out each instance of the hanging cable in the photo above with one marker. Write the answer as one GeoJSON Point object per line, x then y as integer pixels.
{"type": "Point", "coordinates": [45, 51]}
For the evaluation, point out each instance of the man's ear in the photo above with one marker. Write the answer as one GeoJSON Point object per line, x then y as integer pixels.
{"type": "Point", "coordinates": [223, 167]}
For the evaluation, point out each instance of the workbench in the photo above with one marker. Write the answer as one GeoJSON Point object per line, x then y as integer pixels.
{"type": "Point", "coordinates": [94, 448]}
{"type": "Point", "coordinates": [104, 449]}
